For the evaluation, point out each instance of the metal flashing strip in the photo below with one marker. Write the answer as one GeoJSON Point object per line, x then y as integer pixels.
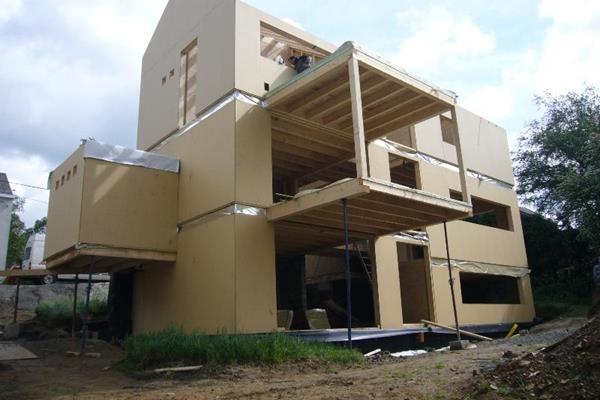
{"type": "Point", "coordinates": [229, 210]}
{"type": "Point", "coordinates": [482, 268]}
{"type": "Point", "coordinates": [407, 152]}
{"type": "Point", "coordinates": [124, 155]}
{"type": "Point", "coordinates": [211, 110]}
{"type": "Point", "coordinates": [413, 236]}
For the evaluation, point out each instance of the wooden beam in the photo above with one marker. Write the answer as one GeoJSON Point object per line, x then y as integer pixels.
{"type": "Point", "coordinates": [315, 199]}
{"type": "Point", "coordinates": [360, 151]}
{"type": "Point", "coordinates": [386, 90]}
{"type": "Point", "coordinates": [409, 119]}
{"type": "Point", "coordinates": [277, 95]}
{"type": "Point", "coordinates": [403, 78]}
{"type": "Point", "coordinates": [26, 272]}
{"type": "Point", "coordinates": [399, 98]}
{"type": "Point", "coordinates": [408, 107]}
{"type": "Point", "coordinates": [462, 171]}
{"type": "Point", "coordinates": [342, 98]}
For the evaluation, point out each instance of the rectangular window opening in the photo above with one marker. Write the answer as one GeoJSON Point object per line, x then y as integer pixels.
{"type": "Point", "coordinates": [279, 46]}
{"type": "Point", "coordinates": [187, 83]}
{"type": "Point", "coordinates": [448, 131]}
{"type": "Point", "coordinates": [403, 171]}
{"type": "Point", "coordinates": [489, 289]}
{"type": "Point", "coordinates": [74, 170]}
{"type": "Point", "coordinates": [487, 213]}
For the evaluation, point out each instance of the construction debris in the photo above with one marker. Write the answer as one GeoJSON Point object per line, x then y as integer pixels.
{"type": "Point", "coordinates": [462, 332]}
{"type": "Point", "coordinates": [10, 351]}
{"type": "Point", "coordinates": [408, 353]}
{"type": "Point", "coordinates": [371, 353]}
{"type": "Point", "coordinates": [178, 369]}
{"type": "Point", "coordinates": [565, 370]}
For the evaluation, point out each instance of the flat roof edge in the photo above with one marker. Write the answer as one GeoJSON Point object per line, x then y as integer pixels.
{"type": "Point", "coordinates": [123, 155]}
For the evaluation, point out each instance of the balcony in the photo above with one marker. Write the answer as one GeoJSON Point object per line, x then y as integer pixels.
{"type": "Point", "coordinates": [323, 122]}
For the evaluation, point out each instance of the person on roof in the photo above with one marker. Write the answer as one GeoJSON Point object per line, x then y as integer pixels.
{"type": "Point", "coordinates": [301, 63]}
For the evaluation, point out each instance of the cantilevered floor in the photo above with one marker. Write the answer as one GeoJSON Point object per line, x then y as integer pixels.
{"type": "Point", "coordinates": [314, 220]}
{"type": "Point", "coordinates": [104, 259]}
{"type": "Point", "coordinates": [391, 97]}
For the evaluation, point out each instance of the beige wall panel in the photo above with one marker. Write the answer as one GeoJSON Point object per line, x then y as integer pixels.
{"type": "Point", "coordinates": [428, 137]}
{"type": "Point", "coordinates": [158, 109]}
{"type": "Point", "coordinates": [253, 167]}
{"type": "Point", "coordinates": [470, 241]}
{"type": "Point", "coordinates": [253, 70]}
{"type": "Point", "coordinates": [129, 206]}
{"type": "Point", "coordinates": [484, 144]}
{"type": "Point", "coordinates": [206, 276]}
{"type": "Point", "coordinates": [414, 291]}
{"type": "Point", "coordinates": [438, 180]}
{"type": "Point", "coordinates": [470, 314]}
{"type": "Point", "coordinates": [387, 283]}
{"type": "Point", "coordinates": [198, 293]}
{"type": "Point", "coordinates": [255, 283]}
{"type": "Point", "coordinates": [379, 162]}
{"type": "Point", "coordinates": [64, 206]}
{"type": "Point", "coordinates": [154, 289]}
{"type": "Point", "coordinates": [207, 173]}
{"type": "Point", "coordinates": [212, 23]}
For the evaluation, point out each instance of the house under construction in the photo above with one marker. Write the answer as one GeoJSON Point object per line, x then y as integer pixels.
{"type": "Point", "coordinates": [248, 175]}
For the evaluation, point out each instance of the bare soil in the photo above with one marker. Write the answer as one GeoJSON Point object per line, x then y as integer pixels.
{"type": "Point", "coordinates": [430, 376]}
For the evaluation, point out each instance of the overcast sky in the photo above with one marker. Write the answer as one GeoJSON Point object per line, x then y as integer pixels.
{"type": "Point", "coordinates": [71, 69]}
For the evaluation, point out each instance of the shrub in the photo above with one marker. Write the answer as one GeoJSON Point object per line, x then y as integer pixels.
{"type": "Point", "coordinates": [173, 345]}
{"type": "Point", "coordinates": [61, 308]}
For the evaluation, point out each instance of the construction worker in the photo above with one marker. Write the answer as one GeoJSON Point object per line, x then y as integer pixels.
{"type": "Point", "coordinates": [301, 63]}
{"type": "Point", "coordinates": [596, 296]}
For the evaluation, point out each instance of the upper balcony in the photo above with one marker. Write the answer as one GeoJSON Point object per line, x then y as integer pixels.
{"type": "Point", "coordinates": [322, 123]}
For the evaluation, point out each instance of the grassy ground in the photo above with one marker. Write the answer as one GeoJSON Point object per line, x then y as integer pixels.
{"type": "Point", "coordinates": [176, 346]}
{"type": "Point", "coordinates": [61, 308]}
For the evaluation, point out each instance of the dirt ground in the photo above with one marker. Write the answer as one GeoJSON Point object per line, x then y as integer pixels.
{"type": "Point", "coordinates": [430, 376]}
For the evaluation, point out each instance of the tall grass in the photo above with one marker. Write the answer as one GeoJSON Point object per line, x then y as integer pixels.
{"type": "Point", "coordinates": [61, 308]}
{"type": "Point", "coordinates": [174, 345]}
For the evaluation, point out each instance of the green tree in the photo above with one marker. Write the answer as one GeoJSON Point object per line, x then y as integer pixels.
{"type": "Point", "coordinates": [558, 162]}
{"type": "Point", "coordinates": [17, 237]}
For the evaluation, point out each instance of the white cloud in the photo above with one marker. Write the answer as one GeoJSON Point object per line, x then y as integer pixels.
{"type": "Point", "coordinates": [570, 55]}
{"type": "Point", "coordinates": [293, 23]}
{"type": "Point", "coordinates": [74, 72]}
{"type": "Point", "coordinates": [437, 37]}
{"type": "Point", "coordinates": [9, 9]}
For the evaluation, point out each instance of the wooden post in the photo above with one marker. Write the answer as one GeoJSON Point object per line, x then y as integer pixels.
{"type": "Point", "coordinates": [17, 299]}
{"type": "Point", "coordinates": [357, 119]}
{"type": "Point", "coordinates": [451, 282]}
{"type": "Point", "coordinates": [462, 170]}
{"type": "Point", "coordinates": [348, 273]}
{"type": "Point", "coordinates": [86, 313]}
{"type": "Point", "coordinates": [74, 317]}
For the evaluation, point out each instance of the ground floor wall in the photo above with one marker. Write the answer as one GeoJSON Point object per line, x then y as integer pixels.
{"type": "Point", "coordinates": [223, 280]}
{"type": "Point", "coordinates": [469, 314]}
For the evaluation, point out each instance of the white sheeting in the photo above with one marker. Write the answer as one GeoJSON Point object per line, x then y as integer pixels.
{"type": "Point", "coordinates": [229, 210]}
{"type": "Point", "coordinates": [482, 268]}
{"type": "Point", "coordinates": [407, 152]}
{"type": "Point", "coordinates": [124, 155]}
{"type": "Point", "coordinates": [220, 104]}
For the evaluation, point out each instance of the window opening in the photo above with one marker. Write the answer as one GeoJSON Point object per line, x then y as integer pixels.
{"type": "Point", "coordinates": [187, 83]}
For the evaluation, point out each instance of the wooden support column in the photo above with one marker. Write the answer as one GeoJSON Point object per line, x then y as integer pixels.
{"type": "Point", "coordinates": [357, 119]}
{"type": "Point", "coordinates": [462, 170]}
